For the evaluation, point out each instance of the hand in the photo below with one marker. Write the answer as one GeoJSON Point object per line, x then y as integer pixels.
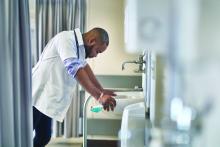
{"type": "Point", "coordinates": [108, 102]}
{"type": "Point", "coordinates": [108, 92]}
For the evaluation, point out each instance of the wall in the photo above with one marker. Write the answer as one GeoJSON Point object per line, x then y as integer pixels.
{"type": "Point", "coordinates": [109, 14]}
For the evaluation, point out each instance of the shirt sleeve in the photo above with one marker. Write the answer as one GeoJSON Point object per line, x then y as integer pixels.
{"type": "Point", "coordinates": [73, 65]}
{"type": "Point", "coordinates": [66, 46]}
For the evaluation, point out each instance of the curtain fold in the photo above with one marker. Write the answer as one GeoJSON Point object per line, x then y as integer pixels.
{"type": "Point", "coordinates": [15, 75]}
{"type": "Point", "coordinates": [53, 16]}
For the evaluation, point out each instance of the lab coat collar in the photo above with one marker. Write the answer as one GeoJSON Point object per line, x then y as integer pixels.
{"type": "Point", "coordinates": [79, 36]}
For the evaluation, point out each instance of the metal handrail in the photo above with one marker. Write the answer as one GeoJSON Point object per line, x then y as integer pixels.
{"type": "Point", "coordinates": [85, 121]}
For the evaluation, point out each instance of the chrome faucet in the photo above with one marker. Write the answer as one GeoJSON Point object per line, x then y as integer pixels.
{"type": "Point", "coordinates": [140, 61]}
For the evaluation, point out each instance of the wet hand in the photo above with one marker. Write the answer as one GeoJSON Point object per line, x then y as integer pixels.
{"type": "Point", "coordinates": [108, 102]}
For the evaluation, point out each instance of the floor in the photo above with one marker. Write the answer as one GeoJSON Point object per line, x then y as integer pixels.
{"type": "Point", "coordinates": [63, 142]}
{"type": "Point", "coordinates": [102, 143]}
{"type": "Point", "coordinates": [78, 142]}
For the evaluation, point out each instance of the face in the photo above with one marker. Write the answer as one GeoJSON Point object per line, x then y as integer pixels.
{"type": "Point", "coordinates": [93, 49]}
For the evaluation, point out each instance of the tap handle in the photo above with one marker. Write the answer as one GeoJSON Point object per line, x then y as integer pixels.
{"type": "Point", "coordinates": [141, 57]}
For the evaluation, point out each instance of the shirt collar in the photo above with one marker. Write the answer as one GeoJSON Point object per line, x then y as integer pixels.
{"type": "Point", "coordinates": [79, 36]}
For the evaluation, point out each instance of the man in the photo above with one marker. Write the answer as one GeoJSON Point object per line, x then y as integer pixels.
{"type": "Point", "coordinates": [54, 76]}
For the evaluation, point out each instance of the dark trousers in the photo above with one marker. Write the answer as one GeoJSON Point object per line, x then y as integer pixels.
{"type": "Point", "coordinates": [42, 126]}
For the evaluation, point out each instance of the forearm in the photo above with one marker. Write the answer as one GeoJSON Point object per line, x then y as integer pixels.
{"type": "Point", "coordinates": [83, 78]}
{"type": "Point", "coordinates": [83, 73]}
{"type": "Point", "coordinates": [92, 77]}
{"type": "Point", "coordinates": [106, 100]}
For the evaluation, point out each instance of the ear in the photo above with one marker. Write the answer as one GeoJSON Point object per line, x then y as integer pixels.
{"type": "Point", "coordinates": [92, 41]}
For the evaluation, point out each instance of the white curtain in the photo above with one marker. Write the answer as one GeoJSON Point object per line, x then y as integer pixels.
{"type": "Point", "coordinates": [53, 16]}
{"type": "Point", "coordinates": [15, 75]}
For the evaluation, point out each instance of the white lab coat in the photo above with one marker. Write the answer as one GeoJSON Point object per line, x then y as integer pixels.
{"type": "Point", "coordinates": [52, 86]}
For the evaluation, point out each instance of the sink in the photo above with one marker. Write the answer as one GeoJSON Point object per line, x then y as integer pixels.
{"type": "Point", "coordinates": [123, 99]}
{"type": "Point", "coordinates": [96, 122]}
{"type": "Point", "coordinates": [132, 126]}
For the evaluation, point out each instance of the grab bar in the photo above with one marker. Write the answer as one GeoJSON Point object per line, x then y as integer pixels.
{"type": "Point", "coordinates": [85, 121]}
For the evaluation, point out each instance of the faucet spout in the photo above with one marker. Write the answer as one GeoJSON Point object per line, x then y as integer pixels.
{"type": "Point", "coordinates": [140, 61]}
{"type": "Point", "coordinates": [123, 64]}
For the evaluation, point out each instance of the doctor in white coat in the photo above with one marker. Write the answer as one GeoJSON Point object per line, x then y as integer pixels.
{"type": "Point", "coordinates": [60, 66]}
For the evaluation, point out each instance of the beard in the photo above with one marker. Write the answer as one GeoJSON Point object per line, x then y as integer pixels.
{"type": "Point", "coordinates": [87, 50]}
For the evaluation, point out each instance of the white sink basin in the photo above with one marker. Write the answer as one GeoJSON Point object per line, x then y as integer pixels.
{"type": "Point", "coordinates": [132, 126]}
{"type": "Point", "coordinates": [123, 99]}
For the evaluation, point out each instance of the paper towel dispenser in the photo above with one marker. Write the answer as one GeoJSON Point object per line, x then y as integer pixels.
{"type": "Point", "coordinates": [146, 25]}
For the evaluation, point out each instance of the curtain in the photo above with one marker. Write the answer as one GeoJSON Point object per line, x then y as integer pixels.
{"type": "Point", "coordinates": [53, 16]}
{"type": "Point", "coordinates": [15, 75]}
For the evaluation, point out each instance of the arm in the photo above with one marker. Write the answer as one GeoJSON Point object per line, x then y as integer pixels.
{"type": "Point", "coordinates": [83, 78]}
{"type": "Point", "coordinates": [106, 100]}
{"type": "Point", "coordinates": [92, 77]}
{"type": "Point", "coordinates": [95, 81]}
{"type": "Point", "coordinates": [76, 69]}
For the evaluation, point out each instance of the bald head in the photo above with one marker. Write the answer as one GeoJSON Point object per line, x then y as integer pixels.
{"type": "Point", "coordinates": [101, 34]}
{"type": "Point", "coordinates": [95, 41]}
